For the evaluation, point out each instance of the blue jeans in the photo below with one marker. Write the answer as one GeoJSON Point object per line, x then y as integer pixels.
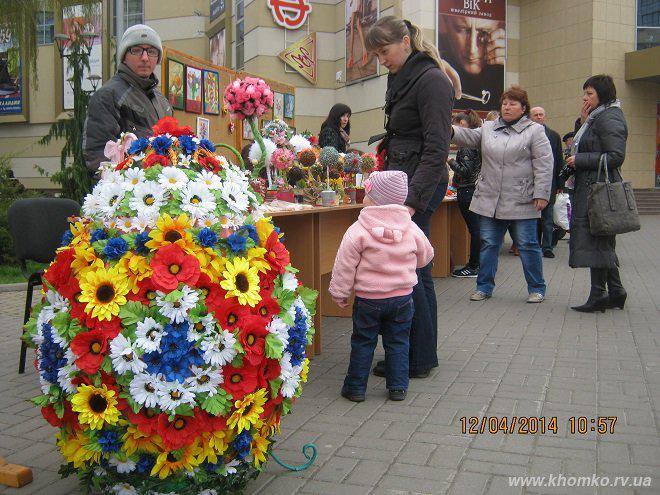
{"type": "Point", "coordinates": [525, 236]}
{"type": "Point", "coordinates": [390, 317]}
{"type": "Point", "coordinates": [547, 227]}
{"type": "Point", "coordinates": [424, 329]}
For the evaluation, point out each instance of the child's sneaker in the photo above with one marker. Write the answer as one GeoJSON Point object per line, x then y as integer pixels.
{"type": "Point", "coordinates": [353, 397]}
{"type": "Point", "coordinates": [397, 395]}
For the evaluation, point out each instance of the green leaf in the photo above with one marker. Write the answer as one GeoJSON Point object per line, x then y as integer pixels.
{"type": "Point", "coordinates": [219, 404]}
{"type": "Point", "coordinates": [174, 296]}
{"type": "Point", "coordinates": [106, 365]}
{"type": "Point", "coordinates": [59, 409]}
{"type": "Point", "coordinates": [131, 403]}
{"type": "Point", "coordinates": [274, 347]}
{"type": "Point", "coordinates": [93, 447]}
{"type": "Point", "coordinates": [309, 297]}
{"type": "Point", "coordinates": [184, 410]}
{"type": "Point", "coordinates": [286, 406]}
{"type": "Point", "coordinates": [99, 246]}
{"type": "Point", "coordinates": [287, 318]}
{"type": "Point", "coordinates": [133, 312]}
{"type": "Point", "coordinates": [275, 387]}
{"type": "Point", "coordinates": [41, 400]}
{"type": "Point", "coordinates": [291, 269]}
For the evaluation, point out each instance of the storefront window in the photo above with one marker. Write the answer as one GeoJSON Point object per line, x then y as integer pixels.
{"type": "Point", "coordinates": [45, 27]}
{"type": "Point", "coordinates": [648, 24]}
{"type": "Point", "coordinates": [133, 13]}
{"type": "Point", "coordinates": [240, 35]}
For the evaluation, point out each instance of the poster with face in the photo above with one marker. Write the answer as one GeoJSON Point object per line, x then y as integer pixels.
{"type": "Point", "coordinates": [472, 40]}
{"type": "Point", "coordinates": [193, 90]}
{"type": "Point", "coordinates": [175, 80]}
{"type": "Point", "coordinates": [360, 16]}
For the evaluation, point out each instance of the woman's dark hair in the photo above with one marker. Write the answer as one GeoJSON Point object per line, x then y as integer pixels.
{"type": "Point", "coordinates": [603, 86]}
{"type": "Point", "coordinates": [337, 110]}
{"type": "Point", "coordinates": [518, 94]}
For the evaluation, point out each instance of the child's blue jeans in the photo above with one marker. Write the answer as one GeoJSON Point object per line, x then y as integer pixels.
{"type": "Point", "coordinates": [391, 317]}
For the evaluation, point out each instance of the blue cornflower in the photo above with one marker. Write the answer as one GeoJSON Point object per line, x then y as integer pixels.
{"type": "Point", "coordinates": [145, 463]}
{"type": "Point", "coordinates": [242, 444]}
{"type": "Point", "coordinates": [207, 237]}
{"type": "Point", "coordinates": [140, 240]}
{"type": "Point", "coordinates": [67, 237]}
{"type": "Point", "coordinates": [109, 441]}
{"type": "Point", "coordinates": [212, 467]}
{"type": "Point", "coordinates": [98, 235]}
{"type": "Point", "coordinates": [52, 356]}
{"type": "Point", "coordinates": [161, 145]}
{"type": "Point", "coordinates": [236, 243]}
{"type": "Point", "coordinates": [298, 338]}
{"type": "Point", "coordinates": [115, 248]}
{"type": "Point", "coordinates": [252, 232]}
{"type": "Point", "coordinates": [187, 144]}
{"type": "Point", "coordinates": [138, 146]}
{"type": "Point", "coordinates": [207, 145]}
{"type": "Point", "coordinates": [177, 354]}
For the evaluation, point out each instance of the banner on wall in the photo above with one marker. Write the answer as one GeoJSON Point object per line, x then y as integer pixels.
{"type": "Point", "coordinates": [11, 83]}
{"type": "Point", "coordinates": [217, 9]}
{"type": "Point", "coordinates": [70, 16]}
{"type": "Point", "coordinates": [472, 39]}
{"type": "Point", "coordinates": [360, 16]}
{"type": "Point", "coordinates": [217, 42]}
{"type": "Point", "coordinates": [301, 56]}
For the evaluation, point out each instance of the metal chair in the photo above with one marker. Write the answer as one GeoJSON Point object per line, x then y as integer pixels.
{"type": "Point", "coordinates": [36, 226]}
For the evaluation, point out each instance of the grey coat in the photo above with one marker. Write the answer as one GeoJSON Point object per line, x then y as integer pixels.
{"type": "Point", "coordinates": [516, 168]}
{"type": "Point", "coordinates": [606, 134]}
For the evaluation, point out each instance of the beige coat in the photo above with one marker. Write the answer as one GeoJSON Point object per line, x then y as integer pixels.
{"type": "Point", "coordinates": [516, 168]}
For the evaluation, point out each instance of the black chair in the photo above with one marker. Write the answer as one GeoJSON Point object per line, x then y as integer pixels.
{"type": "Point", "coordinates": [36, 226]}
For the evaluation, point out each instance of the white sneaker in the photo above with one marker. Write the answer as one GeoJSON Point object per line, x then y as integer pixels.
{"type": "Point", "coordinates": [479, 296]}
{"type": "Point", "coordinates": [535, 297]}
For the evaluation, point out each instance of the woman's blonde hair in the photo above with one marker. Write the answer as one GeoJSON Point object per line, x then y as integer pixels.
{"type": "Point", "coordinates": [391, 29]}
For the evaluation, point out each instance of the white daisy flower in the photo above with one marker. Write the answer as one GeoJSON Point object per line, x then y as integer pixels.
{"type": "Point", "coordinates": [207, 221]}
{"type": "Point", "coordinates": [125, 224]}
{"type": "Point", "coordinates": [203, 327]}
{"type": "Point", "coordinates": [144, 389]}
{"type": "Point", "coordinates": [132, 177]}
{"type": "Point", "coordinates": [290, 376]}
{"type": "Point", "coordinates": [124, 489]}
{"type": "Point", "coordinates": [197, 200]}
{"type": "Point", "coordinates": [148, 197]}
{"type": "Point", "coordinates": [177, 311]}
{"type": "Point", "coordinates": [112, 177]}
{"type": "Point", "coordinates": [57, 301]}
{"type": "Point", "coordinates": [44, 384]}
{"type": "Point", "coordinates": [124, 356]}
{"type": "Point", "coordinates": [210, 180]}
{"type": "Point", "coordinates": [111, 196]}
{"type": "Point", "coordinates": [235, 174]}
{"type": "Point", "coordinates": [149, 333]}
{"type": "Point", "coordinates": [205, 380]}
{"type": "Point", "coordinates": [280, 329]}
{"type": "Point", "coordinates": [38, 337]}
{"type": "Point", "coordinates": [289, 281]}
{"type": "Point", "coordinates": [122, 467]}
{"type": "Point", "coordinates": [144, 221]}
{"type": "Point", "coordinates": [235, 196]}
{"type": "Point", "coordinates": [230, 468]}
{"type": "Point", "coordinates": [172, 178]}
{"type": "Point", "coordinates": [300, 304]}
{"type": "Point", "coordinates": [46, 314]}
{"type": "Point", "coordinates": [64, 373]}
{"type": "Point", "coordinates": [91, 203]}
{"type": "Point", "coordinates": [172, 394]}
{"type": "Point", "coordinates": [184, 161]}
{"type": "Point", "coordinates": [219, 348]}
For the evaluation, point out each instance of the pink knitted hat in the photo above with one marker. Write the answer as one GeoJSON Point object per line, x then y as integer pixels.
{"type": "Point", "coordinates": [387, 188]}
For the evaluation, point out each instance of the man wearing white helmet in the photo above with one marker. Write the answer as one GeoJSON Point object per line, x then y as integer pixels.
{"type": "Point", "coordinates": [129, 102]}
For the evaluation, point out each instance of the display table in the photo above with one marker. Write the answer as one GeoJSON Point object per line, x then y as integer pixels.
{"type": "Point", "coordinates": [313, 237]}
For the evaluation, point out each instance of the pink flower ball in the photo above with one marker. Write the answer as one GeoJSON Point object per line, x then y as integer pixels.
{"type": "Point", "coordinates": [282, 158]}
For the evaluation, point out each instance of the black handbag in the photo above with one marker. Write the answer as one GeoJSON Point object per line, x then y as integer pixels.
{"type": "Point", "coordinates": [611, 205]}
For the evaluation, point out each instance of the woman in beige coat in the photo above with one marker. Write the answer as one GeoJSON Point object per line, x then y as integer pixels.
{"type": "Point", "coordinates": [512, 189]}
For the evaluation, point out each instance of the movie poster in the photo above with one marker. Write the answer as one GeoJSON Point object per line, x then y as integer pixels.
{"type": "Point", "coordinates": [472, 39]}
{"type": "Point", "coordinates": [11, 84]}
{"type": "Point", "coordinates": [360, 16]}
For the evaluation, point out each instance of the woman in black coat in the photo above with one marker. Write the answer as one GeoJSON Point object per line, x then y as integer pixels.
{"type": "Point", "coordinates": [603, 131]}
{"type": "Point", "coordinates": [418, 105]}
{"type": "Point", "coordinates": [336, 129]}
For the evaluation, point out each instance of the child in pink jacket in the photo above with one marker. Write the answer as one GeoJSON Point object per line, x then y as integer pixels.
{"type": "Point", "coordinates": [378, 257]}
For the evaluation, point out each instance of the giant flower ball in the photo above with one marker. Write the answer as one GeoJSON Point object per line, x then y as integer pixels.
{"type": "Point", "coordinates": [171, 335]}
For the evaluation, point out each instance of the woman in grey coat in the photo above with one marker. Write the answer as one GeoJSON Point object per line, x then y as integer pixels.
{"type": "Point", "coordinates": [603, 132]}
{"type": "Point", "coordinates": [512, 189]}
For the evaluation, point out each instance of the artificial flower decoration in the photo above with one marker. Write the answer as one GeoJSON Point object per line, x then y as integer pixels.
{"type": "Point", "coordinates": [171, 333]}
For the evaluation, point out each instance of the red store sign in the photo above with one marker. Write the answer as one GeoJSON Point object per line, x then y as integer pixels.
{"type": "Point", "coordinates": [290, 14]}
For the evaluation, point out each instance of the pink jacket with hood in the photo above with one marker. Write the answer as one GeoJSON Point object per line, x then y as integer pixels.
{"type": "Point", "coordinates": [379, 254]}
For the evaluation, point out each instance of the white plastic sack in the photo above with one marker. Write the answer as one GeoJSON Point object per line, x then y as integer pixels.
{"type": "Point", "coordinates": [561, 211]}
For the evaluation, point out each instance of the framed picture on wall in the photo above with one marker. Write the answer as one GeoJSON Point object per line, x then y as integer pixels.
{"type": "Point", "coordinates": [289, 106]}
{"type": "Point", "coordinates": [203, 128]}
{"type": "Point", "coordinates": [278, 106]}
{"type": "Point", "coordinates": [193, 90]}
{"type": "Point", "coordinates": [175, 81]}
{"type": "Point", "coordinates": [247, 131]}
{"type": "Point", "coordinates": [211, 92]}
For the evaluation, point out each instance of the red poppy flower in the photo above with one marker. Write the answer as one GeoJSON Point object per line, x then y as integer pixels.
{"type": "Point", "coordinates": [155, 158]}
{"type": "Point", "coordinates": [70, 289]}
{"type": "Point", "coordinates": [267, 283]}
{"type": "Point", "coordinates": [146, 420]}
{"type": "Point", "coordinates": [270, 370]}
{"type": "Point", "coordinates": [90, 347]}
{"type": "Point", "coordinates": [69, 417]}
{"type": "Point", "coordinates": [59, 272]}
{"type": "Point", "coordinates": [209, 423]}
{"type": "Point", "coordinates": [241, 381]}
{"type": "Point", "coordinates": [276, 254]}
{"type": "Point", "coordinates": [209, 163]}
{"type": "Point", "coordinates": [172, 265]}
{"type": "Point", "coordinates": [178, 433]}
{"type": "Point", "coordinates": [267, 307]}
{"type": "Point", "coordinates": [214, 294]}
{"type": "Point", "coordinates": [252, 336]}
{"type": "Point", "coordinates": [229, 313]}
{"type": "Point", "coordinates": [170, 125]}
{"type": "Point", "coordinates": [146, 292]}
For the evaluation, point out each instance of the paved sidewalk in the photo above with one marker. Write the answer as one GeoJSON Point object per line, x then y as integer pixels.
{"type": "Point", "coordinates": [498, 358]}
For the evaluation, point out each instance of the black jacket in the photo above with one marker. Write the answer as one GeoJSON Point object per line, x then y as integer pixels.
{"type": "Point", "coordinates": [330, 136]}
{"type": "Point", "coordinates": [607, 134]}
{"type": "Point", "coordinates": [126, 103]}
{"type": "Point", "coordinates": [466, 167]}
{"type": "Point", "coordinates": [558, 157]}
{"type": "Point", "coordinates": [418, 106]}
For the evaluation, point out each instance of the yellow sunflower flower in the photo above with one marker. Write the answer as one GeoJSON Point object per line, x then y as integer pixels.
{"type": "Point", "coordinates": [256, 258]}
{"type": "Point", "coordinates": [85, 258]}
{"type": "Point", "coordinates": [136, 268]}
{"type": "Point", "coordinates": [248, 411]}
{"type": "Point", "coordinates": [171, 231]}
{"type": "Point", "coordinates": [95, 406]}
{"type": "Point", "coordinates": [210, 262]}
{"type": "Point", "coordinates": [75, 449]}
{"type": "Point", "coordinates": [80, 234]}
{"type": "Point", "coordinates": [171, 462]}
{"type": "Point", "coordinates": [264, 227]}
{"type": "Point", "coordinates": [213, 444]}
{"type": "Point", "coordinates": [134, 440]}
{"type": "Point", "coordinates": [104, 291]}
{"type": "Point", "coordinates": [305, 371]}
{"type": "Point", "coordinates": [259, 446]}
{"type": "Point", "coordinates": [241, 280]}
